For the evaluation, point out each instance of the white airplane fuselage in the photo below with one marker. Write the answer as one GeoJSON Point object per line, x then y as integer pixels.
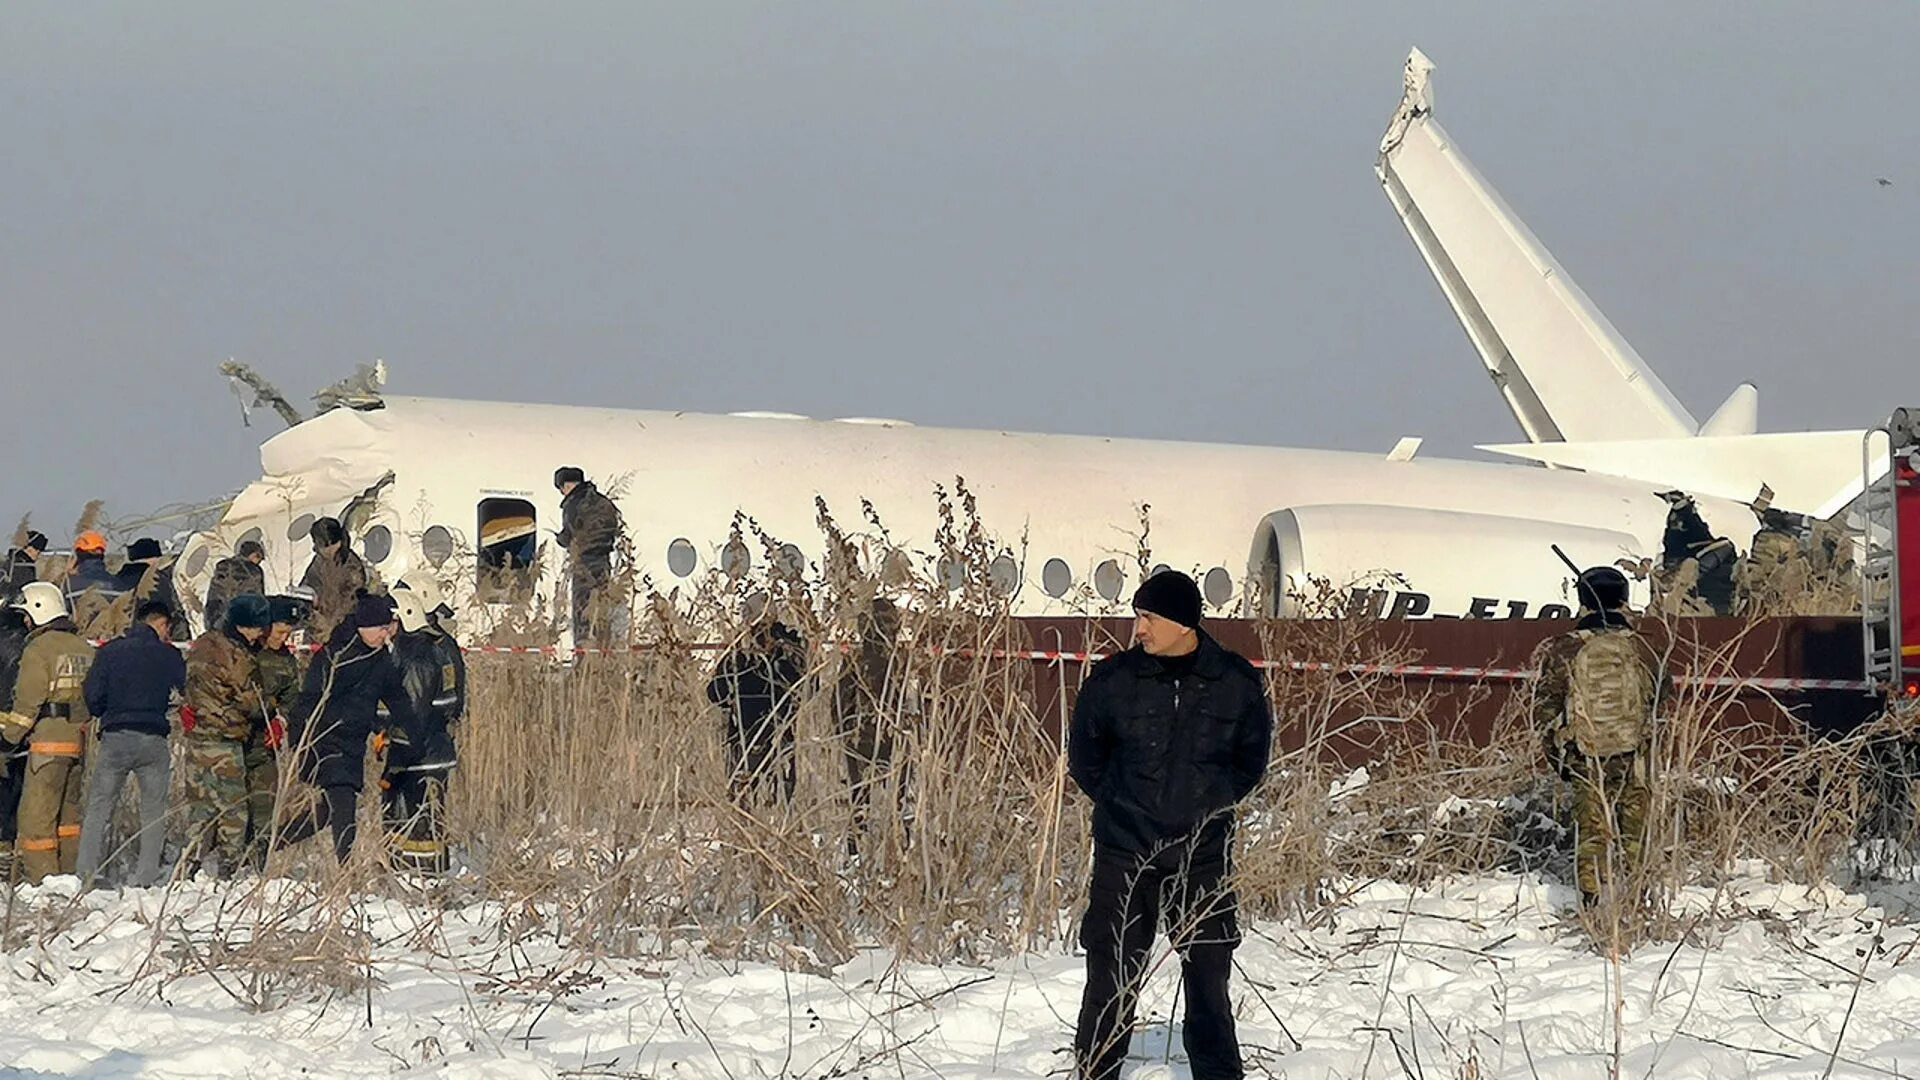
{"type": "Point", "coordinates": [1435, 538]}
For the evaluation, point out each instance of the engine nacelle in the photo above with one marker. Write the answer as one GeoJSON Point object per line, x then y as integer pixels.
{"type": "Point", "coordinates": [1398, 562]}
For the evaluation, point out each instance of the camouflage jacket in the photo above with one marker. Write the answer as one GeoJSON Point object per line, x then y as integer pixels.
{"type": "Point", "coordinates": [53, 675]}
{"type": "Point", "coordinates": [279, 678]}
{"type": "Point", "coordinates": [335, 584]}
{"type": "Point", "coordinates": [232, 576]}
{"type": "Point", "coordinates": [223, 687]}
{"type": "Point", "coordinates": [1553, 682]}
{"type": "Point", "coordinates": [589, 524]}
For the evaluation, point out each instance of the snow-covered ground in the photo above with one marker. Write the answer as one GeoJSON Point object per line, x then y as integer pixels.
{"type": "Point", "coordinates": [1479, 978]}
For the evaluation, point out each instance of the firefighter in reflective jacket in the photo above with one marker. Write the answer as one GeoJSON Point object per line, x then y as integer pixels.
{"type": "Point", "coordinates": [50, 716]}
{"type": "Point", "coordinates": [420, 755]}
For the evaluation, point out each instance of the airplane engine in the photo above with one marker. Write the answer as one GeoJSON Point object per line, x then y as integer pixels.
{"type": "Point", "coordinates": [1400, 562]}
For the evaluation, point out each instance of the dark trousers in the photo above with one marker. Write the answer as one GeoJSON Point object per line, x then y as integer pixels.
{"type": "Point", "coordinates": [591, 598]}
{"type": "Point", "coordinates": [334, 810]}
{"type": "Point", "coordinates": [13, 778]}
{"type": "Point", "coordinates": [760, 753]}
{"type": "Point", "coordinates": [1130, 900]}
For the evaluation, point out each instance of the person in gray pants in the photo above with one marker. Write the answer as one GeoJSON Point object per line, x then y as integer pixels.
{"type": "Point", "coordinates": [133, 684]}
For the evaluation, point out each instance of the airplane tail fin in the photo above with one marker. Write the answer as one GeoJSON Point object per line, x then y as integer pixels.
{"type": "Point", "coordinates": [1564, 371]}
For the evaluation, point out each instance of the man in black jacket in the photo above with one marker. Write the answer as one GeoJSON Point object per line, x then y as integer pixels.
{"type": "Point", "coordinates": [148, 575]}
{"type": "Point", "coordinates": [133, 684]}
{"type": "Point", "coordinates": [589, 531]}
{"type": "Point", "coordinates": [756, 684]}
{"type": "Point", "coordinates": [1166, 738]}
{"type": "Point", "coordinates": [338, 711]}
{"type": "Point", "coordinates": [13, 759]}
{"type": "Point", "coordinates": [23, 565]}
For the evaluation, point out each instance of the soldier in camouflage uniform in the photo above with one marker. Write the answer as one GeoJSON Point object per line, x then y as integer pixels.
{"type": "Point", "coordinates": [50, 716]}
{"type": "Point", "coordinates": [279, 670]}
{"type": "Point", "coordinates": [238, 574]}
{"type": "Point", "coordinates": [1776, 573]}
{"type": "Point", "coordinates": [1593, 700]}
{"type": "Point", "coordinates": [336, 578]}
{"type": "Point", "coordinates": [226, 707]}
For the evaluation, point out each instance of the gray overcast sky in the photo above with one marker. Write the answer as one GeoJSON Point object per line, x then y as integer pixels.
{"type": "Point", "coordinates": [1141, 219]}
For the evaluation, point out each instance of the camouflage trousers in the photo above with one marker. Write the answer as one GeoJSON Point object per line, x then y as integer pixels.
{"type": "Point", "coordinates": [1609, 819]}
{"type": "Point", "coordinates": [263, 786]}
{"type": "Point", "coordinates": [221, 801]}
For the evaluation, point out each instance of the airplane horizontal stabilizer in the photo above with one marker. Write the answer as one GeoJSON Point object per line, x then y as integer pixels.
{"type": "Point", "coordinates": [1811, 472]}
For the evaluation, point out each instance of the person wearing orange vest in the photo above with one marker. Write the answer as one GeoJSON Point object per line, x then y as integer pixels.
{"type": "Point", "coordinates": [50, 716]}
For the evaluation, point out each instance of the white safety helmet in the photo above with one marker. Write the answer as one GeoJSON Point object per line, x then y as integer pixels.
{"type": "Point", "coordinates": [431, 599]}
{"type": "Point", "coordinates": [43, 602]}
{"type": "Point", "coordinates": [408, 608]}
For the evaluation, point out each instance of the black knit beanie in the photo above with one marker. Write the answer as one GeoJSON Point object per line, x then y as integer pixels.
{"type": "Point", "coordinates": [1171, 595]}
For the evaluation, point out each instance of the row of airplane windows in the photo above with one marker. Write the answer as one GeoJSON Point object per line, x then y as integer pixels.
{"type": "Point", "coordinates": [509, 540]}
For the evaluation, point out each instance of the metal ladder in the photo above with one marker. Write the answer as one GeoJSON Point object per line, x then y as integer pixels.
{"type": "Point", "coordinates": [1879, 562]}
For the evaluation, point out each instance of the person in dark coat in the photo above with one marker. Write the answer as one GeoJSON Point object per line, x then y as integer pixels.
{"type": "Point", "coordinates": [335, 578]}
{"type": "Point", "coordinates": [756, 684]}
{"type": "Point", "coordinates": [1166, 739]}
{"type": "Point", "coordinates": [13, 759]}
{"type": "Point", "coordinates": [134, 683]}
{"type": "Point", "coordinates": [23, 565]}
{"type": "Point", "coordinates": [239, 574]}
{"type": "Point", "coordinates": [589, 532]}
{"type": "Point", "coordinates": [420, 757]}
{"type": "Point", "coordinates": [864, 702]}
{"type": "Point", "coordinates": [338, 711]}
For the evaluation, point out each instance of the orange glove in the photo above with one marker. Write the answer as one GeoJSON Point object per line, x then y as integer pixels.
{"type": "Point", "coordinates": [276, 732]}
{"type": "Point", "coordinates": [379, 742]}
{"type": "Point", "coordinates": [187, 719]}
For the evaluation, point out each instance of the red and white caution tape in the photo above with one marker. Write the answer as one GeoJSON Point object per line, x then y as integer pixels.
{"type": "Point", "coordinates": [1415, 671]}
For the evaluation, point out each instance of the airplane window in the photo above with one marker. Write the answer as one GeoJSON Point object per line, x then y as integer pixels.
{"type": "Point", "coordinates": [301, 526]}
{"type": "Point", "coordinates": [437, 545]}
{"type": "Point", "coordinates": [736, 559]}
{"type": "Point", "coordinates": [792, 562]}
{"type": "Point", "coordinates": [953, 573]}
{"type": "Point", "coordinates": [377, 544]}
{"type": "Point", "coordinates": [681, 558]}
{"type": "Point", "coordinates": [1160, 568]}
{"type": "Point", "coordinates": [509, 542]}
{"type": "Point", "coordinates": [1006, 575]}
{"type": "Point", "coordinates": [1218, 586]}
{"type": "Point", "coordinates": [1056, 577]}
{"type": "Point", "coordinates": [197, 561]}
{"type": "Point", "coordinates": [1109, 579]}
{"type": "Point", "coordinates": [254, 534]}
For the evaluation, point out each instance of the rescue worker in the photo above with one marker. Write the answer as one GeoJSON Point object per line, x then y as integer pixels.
{"type": "Point", "coordinates": [757, 685]}
{"type": "Point", "coordinates": [1776, 573]}
{"type": "Point", "coordinates": [589, 532]}
{"type": "Point", "coordinates": [1595, 693]}
{"type": "Point", "coordinates": [335, 578]}
{"type": "Point", "coordinates": [1166, 739]}
{"type": "Point", "coordinates": [279, 671]}
{"type": "Point", "coordinates": [50, 716]}
{"type": "Point", "coordinates": [23, 565]}
{"type": "Point", "coordinates": [134, 684]}
{"type": "Point", "coordinates": [226, 708]}
{"type": "Point", "coordinates": [13, 759]}
{"type": "Point", "coordinates": [420, 756]}
{"type": "Point", "coordinates": [1697, 569]}
{"type": "Point", "coordinates": [148, 575]}
{"type": "Point", "coordinates": [863, 700]}
{"type": "Point", "coordinates": [94, 592]}
{"type": "Point", "coordinates": [338, 713]}
{"type": "Point", "coordinates": [236, 575]}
